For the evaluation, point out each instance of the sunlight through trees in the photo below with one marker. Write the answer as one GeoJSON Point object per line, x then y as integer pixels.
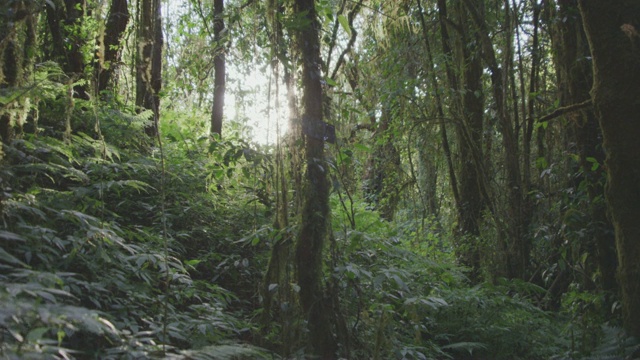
{"type": "Point", "coordinates": [319, 179]}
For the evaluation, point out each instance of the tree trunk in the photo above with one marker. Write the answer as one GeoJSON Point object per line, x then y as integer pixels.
{"type": "Point", "coordinates": [315, 212]}
{"type": "Point", "coordinates": [575, 79]}
{"type": "Point", "coordinates": [382, 182]}
{"type": "Point", "coordinates": [613, 31]}
{"type": "Point", "coordinates": [18, 29]}
{"type": "Point", "coordinates": [464, 73]}
{"type": "Point", "coordinates": [514, 240]}
{"type": "Point", "coordinates": [8, 78]}
{"type": "Point", "coordinates": [149, 61]}
{"type": "Point", "coordinates": [65, 20]}
{"type": "Point", "coordinates": [438, 100]}
{"type": "Point", "coordinates": [469, 134]}
{"type": "Point", "coordinates": [219, 68]}
{"type": "Point", "coordinates": [111, 49]}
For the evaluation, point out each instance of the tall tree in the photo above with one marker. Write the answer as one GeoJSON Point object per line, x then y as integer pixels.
{"type": "Point", "coordinates": [110, 49]}
{"type": "Point", "coordinates": [219, 67]}
{"type": "Point", "coordinates": [613, 30]}
{"type": "Point", "coordinates": [149, 60]}
{"type": "Point", "coordinates": [381, 180]}
{"type": "Point", "coordinates": [315, 220]}
{"type": "Point", "coordinates": [515, 242]}
{"type": "Point", "coordinates": [464, 73]}
{"type": "Point", "coordinates": [18, 26]}
{"type": "Point", "coordinates": [65, 19]}
{"type": "Point", "coordinates": [575, 79]}
{"type": "Point", "coordinates": [282, 306]}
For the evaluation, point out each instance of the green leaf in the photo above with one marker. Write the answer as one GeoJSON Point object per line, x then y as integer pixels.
{"type": "Point", "coordinates": [9, 259]}
{"type": "Point", "coordinates": [362, 147]}
{"type": "Point", "coordinates": [345, 24]}
{"type": "Point", "coordinates": [10, 236]}
{"type": "Point", "coordinates": [36, 334]}
{"type": "Point", "coordinates": [192, 263]}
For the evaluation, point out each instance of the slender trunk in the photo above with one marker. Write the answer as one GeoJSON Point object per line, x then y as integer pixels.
{"type": "Point", "coordinates": [613, 32]}
{"type": "Point", "coordinates": [315, 212]}
{"type": "Point", "coordinates": [279, 298]}
{"type": "Point", "coordinates": [149, 61]}
{"type": "Point", "coordinates": [219, 62]}
{"type": "Point", "coordinates": [533, 88]}
{"type": "Point", "coordinates": [382, 178]}
{"type": "Point", "coordinates": [470, 144]}
{"type": "Point", "coordinates": [467, 107]}
{"type": "Point", "coordinates": [513, 236]}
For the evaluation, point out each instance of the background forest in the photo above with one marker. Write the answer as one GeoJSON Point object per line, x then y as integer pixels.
{"type": "Point", "coordinates": [410, 179]}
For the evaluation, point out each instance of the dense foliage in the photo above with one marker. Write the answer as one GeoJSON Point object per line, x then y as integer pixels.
{"type": "Point", "coordinates": [462, 213]}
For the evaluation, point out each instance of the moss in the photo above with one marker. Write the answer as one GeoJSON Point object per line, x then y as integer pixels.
{"type": "Point", "coordinates": [616, 94]}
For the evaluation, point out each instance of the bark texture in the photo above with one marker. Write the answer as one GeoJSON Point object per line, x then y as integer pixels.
{"type": "Point", "coordinates": [65, 21]}
{"type": "Point", "coordinates": [315, 211]}
{"type": "Point", "coordinates": [575, 79]}
{"type": "Point", "coordinates": [613, 30]}
{"type": "Point", "coordinates": [17, 43]}
{"type": "Point", "coordinates": [116, 25]}
{"type": "Point", "coordinates": [464, 75]}
{"type": "Point", "coordinates": [149, 61]}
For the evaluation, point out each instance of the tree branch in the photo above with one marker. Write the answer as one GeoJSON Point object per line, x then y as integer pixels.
{"type": "Point", "coordinates": [565, 109]}
{"type": "Point", "coordinates": [352, 40]}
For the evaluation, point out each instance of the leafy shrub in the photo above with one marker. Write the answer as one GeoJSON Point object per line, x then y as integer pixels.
{"type": "Point", "coordinates": [90, 257]}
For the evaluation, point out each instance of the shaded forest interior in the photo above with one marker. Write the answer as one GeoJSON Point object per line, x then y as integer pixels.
{"type": "Point", "coordinates": [320, 179]}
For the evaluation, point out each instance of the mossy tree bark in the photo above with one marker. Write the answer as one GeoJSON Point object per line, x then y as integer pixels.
{"type": "Point", "coordinates": [315, 220]}
{"type": "Point", "coordinates": [149, 60]}
{"type": "Point", "coordinates": [280, 300]}
{"type": "Point", "coordinates": [613, 30]}
{"type": "Point", "coordinates": [18, 33]}
{"type": "Point", "coordinates": [575, 79]}
{"type": "Point", "coordinates": [65, 20]}
{"type": "Point", "coordinates": [9, 72]}
{"type": "Point", "coordinates": [111, 43]}
{"type": "Point", "coordinates": [464, 73]}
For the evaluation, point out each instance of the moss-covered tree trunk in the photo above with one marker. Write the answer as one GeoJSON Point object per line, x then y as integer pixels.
{"type": "Point", "coordinates": [575, 79]}
{"type": "Point", "coordinates": [280, 301]}
{"type": "Point", "coordinates": [464, 74]}
{"type": "Point", "coordinates": [65, 20]}
{"type": "Point", "coordinates": [315, 220]}
{"type": "Point", "coordinates": [613, 30]}
{"type": "Point", "coordinates": [149, 60]}
{"type": "Point", "coordinates": [9, 72]}
{"type": "Point", "coordinates": [117, 21]}
{"type": "Point", "coordinates": [18, 22]}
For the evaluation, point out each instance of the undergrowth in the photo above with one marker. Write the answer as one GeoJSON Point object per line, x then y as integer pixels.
{"type": "Point", "coordinates": [97, 263]}
{"type": "Point", "coordinates": [105, 253]}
